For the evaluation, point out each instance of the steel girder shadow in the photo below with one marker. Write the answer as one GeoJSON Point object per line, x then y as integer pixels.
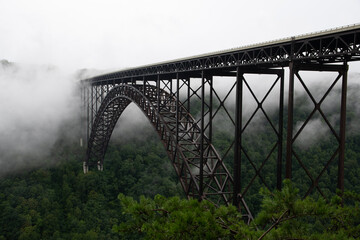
{"type": "Point", "coordinates": [180, 135]}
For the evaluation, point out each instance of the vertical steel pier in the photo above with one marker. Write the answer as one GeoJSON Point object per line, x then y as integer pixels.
{"type": "Point", "coordinates": [295, 74]}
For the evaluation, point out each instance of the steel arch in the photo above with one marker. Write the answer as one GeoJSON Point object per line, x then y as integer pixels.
{"type": "Point", "coordinates": [181, 138]}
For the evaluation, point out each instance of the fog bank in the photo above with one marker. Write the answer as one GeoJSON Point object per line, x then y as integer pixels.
{"type": "Point", "coordinates": [36, 102]}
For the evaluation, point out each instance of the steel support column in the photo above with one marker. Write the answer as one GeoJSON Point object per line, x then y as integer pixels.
{"type": "Point", "coordinates": [280, 136]}
{"type": "Point", "coordinates": [240, 152]}
{"type": "Point", "coordinates": [158, 93]}
{"type": "Point", "coordinates": [188, 95]}
{"type": "Point", "coordinates": [210, 81]}
{"type": "Point", "coordinates": [238, 127]}
{"type": "Point", "coordinates": [289, 135]}
{"type": "Point", "coordinates": [144, 85]}
{"type": "Point", "coordinates": [340, 184]}
{"type": "Point", "coordinates": [177, 106]}
{"type": "Point", "coordinates": [92, 107]}
{"type": "Point", "coordinates": [295, 69]}
{"type": "Point", "coordinates": [202, 133]}
{"type": "Point", "coordinates": [88, 114]}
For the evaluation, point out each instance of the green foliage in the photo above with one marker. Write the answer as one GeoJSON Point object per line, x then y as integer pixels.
{"type": "Point", "coordinates": [64, 203]}
{"type": "Point", "coordinates": [288, 216]}
{"type": "Point", "coordinates": [284, 215]}
{"type": "Point", "coordinates": [175, 218]}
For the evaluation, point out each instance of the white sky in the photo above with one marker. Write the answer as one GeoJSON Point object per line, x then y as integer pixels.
{"type": "Point", "coordinates": [108, 34]}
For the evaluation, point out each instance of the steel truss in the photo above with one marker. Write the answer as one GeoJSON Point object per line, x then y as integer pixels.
{"type": "Point", "coordinates": [241, 153]}
{"type": "Point", "coordinates": [295, 73]}
{"type": "Point", "coordinates": [199, 167]}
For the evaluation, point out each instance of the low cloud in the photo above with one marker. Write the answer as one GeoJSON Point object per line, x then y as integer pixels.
{"type": "Point", "coordinates": [36, 102]}
{"type": "Point", "coordinates": [314, 131]}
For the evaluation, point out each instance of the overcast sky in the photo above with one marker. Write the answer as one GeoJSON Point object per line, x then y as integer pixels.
{"type": "Point", "coordinates": [108, 34]}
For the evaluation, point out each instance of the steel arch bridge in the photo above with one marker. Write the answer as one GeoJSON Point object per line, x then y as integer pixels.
{"type": "Point", "coordinates": [166, 92]}
{"type": "Point", "coordinates": [183, 150]}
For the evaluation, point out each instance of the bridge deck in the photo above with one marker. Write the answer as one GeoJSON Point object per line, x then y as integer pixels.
{"type": "Point", "coordinates": [329, 46]}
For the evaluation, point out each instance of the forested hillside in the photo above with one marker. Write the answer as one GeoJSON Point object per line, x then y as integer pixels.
{"type": "Point", "coordinates": [62, 202]}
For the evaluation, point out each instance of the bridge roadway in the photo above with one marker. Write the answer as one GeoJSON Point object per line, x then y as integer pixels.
{"type": "Point", "coordinates": [158, 88]}
{"type": "Point", "coordinates": [328, 46]}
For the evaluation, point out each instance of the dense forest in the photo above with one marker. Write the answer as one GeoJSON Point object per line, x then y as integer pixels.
{"type": "Point", "coordinates": [62, 202]}
{"type": "Point", "coordinates": [59, 201]}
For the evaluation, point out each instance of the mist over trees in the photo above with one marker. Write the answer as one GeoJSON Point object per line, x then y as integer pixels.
{"type": "Point", "coordinates": [39, 104]}
{"type": "Point", "coordinates": [63, 202]}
